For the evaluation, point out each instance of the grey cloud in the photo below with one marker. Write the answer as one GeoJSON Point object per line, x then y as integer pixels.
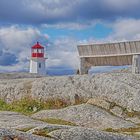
{"type": "Point", "coordinates": [15, 44]}
{"type": "Point", "coordinates": [7, 59]}
{"type": "Point", "coordinates": [125, 29]}
{"type": "Point", "coordinates": [61, 56]}
{"type": "Point", "coordinates": [59, 11]}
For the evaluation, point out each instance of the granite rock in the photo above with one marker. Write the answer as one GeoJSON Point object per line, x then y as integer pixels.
{"type": "Point", "coordinates": [86, 115]}
{"type": "Point", "coordinates": [87, 134]}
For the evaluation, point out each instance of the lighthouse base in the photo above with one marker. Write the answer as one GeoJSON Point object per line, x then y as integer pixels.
{"type": "Point", "coordinates": [37, 65]}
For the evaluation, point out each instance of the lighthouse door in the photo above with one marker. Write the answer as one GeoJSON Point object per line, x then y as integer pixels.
{"type": "Point", "coordinates": [39, 65]}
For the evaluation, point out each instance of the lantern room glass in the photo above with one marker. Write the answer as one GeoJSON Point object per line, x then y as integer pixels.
{"type": "Point", "coordinates": [37, 50]}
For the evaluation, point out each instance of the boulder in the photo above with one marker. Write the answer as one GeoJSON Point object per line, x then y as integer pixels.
{"type": "Point", "coordinates": [9, 134]}
{"type": "Point", "coordinates": [15, 120]}
{"type": "Point", "coordinates": [87, 134]}
{"type": "Point", "coordinates": [119, 87]}
{"type": "Point", "coordinates": [86, 115]}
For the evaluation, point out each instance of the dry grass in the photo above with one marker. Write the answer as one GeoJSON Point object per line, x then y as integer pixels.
{"type": "Point", "coordinates": [29, 106]}
{"type": "Point", "coordinates": [25, 129]}
{"type": "Point", "coordinates": [12, 138]}
{"type": "Point", "coordinates": [43, 132]}
{"type": "Point", "coordinates": [57, 121]}
{"type": "Point", "coordinates": [131, 129]}
{"type": "Point", "coordinates": [127, 131]}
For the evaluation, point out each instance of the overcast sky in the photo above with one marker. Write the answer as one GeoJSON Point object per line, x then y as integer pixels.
{"type": "Point", "coordinates": [60, 25]}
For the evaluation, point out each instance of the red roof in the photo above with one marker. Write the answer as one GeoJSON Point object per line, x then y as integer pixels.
{"type": "Point", "coordinates": [37, 46]}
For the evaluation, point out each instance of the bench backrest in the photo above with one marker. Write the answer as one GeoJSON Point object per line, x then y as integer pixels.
{"type": "Point", "coordinates": [110, 49]}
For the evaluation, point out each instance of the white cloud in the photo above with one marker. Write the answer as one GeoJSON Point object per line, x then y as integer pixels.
{"type": "Point", "coordinates": [63, 54]}
{"type": "Point", "coordinates": [16, 39]}
{"type": "Point", "coordinates": [16, 42]}
{"type": "Point", "coordinates": [72, 25]}
{"type": "Point", "coordinates": [126, 29]}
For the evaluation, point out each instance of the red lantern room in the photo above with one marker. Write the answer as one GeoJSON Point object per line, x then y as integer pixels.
{"type": "Point", "coordinates": [37, 51]}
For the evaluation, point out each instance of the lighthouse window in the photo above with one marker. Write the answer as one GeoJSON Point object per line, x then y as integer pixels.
{"type": "Point", "coordinates": [39, 65]}
{"type": "Point", "coordinates": [35, 50]}
{"type": "Point", "coordinates": [39, 50]}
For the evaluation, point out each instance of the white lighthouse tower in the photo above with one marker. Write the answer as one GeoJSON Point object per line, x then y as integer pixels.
{"type": "Point", "coordinates": [37, 61]}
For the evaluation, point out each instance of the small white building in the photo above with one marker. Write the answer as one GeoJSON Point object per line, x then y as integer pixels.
{"type": "Point", "coordinates": [37, 61]}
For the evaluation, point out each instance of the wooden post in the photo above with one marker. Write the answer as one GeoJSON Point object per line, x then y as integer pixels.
{"type": "Point", "coordinates": [83, 66]}
{"type": "Point", "coordinates": [136, 64]}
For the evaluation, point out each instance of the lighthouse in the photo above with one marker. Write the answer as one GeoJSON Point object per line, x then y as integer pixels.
{"type": "Point", "coordinates": [37, 61]}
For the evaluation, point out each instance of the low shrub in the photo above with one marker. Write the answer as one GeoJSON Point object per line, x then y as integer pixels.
{"type": "Point", "coordinates": [25, 129]}
{"type": "Point", "coordinates": [3, 105]}
{"type": "Point", "coordinates": [28, 105]}
{"type": "Point", "coordinates": [43, 132]}
{"type": "Point", "coordinates": [131, 129]}
{"type": "Point", "coordinates": [58, 121]}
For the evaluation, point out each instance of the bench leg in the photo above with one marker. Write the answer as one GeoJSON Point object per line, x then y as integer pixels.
{"type": "Point", "coordinates": [136, 64]}
{"type": "Point", "coordinates": [83, 66]}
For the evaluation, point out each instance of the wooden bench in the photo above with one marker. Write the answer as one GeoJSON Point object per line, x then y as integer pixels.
{"type": "Point", "coordinates": [110, 54]}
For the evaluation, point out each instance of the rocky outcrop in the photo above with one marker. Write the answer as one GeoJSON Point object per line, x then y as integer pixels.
{"type": "Point", "coordinates": [111, 102]}
{"type": "Point", "coordinates": [87, 134]}
{"type": "Point", "coordinates": [9, 134]}
{"type": "Point", "coordinates": [18, 75]}
{"type": "Point", "coordinates": [100, 103]}
{"type": "Point", "coordinates": [86, 115]}
{"type": "Point", "coordinates": [73, 133]}
{"type": "Point", "coordinates": [120, 88]}
{"type": "Point", "coordinates": [115, 109]}
{"type": "Point", "coordinates": [12, 124]}
{"type": "Point", "coordinates": [17, 121]}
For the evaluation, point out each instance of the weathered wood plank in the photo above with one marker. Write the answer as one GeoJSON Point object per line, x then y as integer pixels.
{"type": "Point", "coordinates": [109, 48]}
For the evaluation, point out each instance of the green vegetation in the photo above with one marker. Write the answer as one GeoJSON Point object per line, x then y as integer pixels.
{"type": "Point", "coordinates": [43, 132]}
{"type": "Point", "coordinates": [28, 105]}
{"type": "Point", "coordinates": [25, 129]}
{"type": "Point", "coordinates": [134, 131]}
{"type": "Point", "coordinates": [58, 121]}
{"type": "Point", "coordinates": [79, 100]}
{"type": "Point", "coordinates": [131, 129]}
{"type": "Point", "coordinates": [110, 130]}
{"type": "Point", "coordinates": [3, 105]}
{"type": "Point", "coordinates": [133, 114]}
{"type": "Point", "coordinates": [125, 111]}
{"type": "Point", "coordinates": [112, 105]}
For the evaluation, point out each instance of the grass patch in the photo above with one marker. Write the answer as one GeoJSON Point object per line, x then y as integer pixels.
{"type": "Point", "coordinates": [58, 121]}
{"type": "Point", "coordinates": [3, 105]}
{"type": "Point", "coordinates": [131, 130]}
{"type": "Point", "coordinates": [127, 131]}
{"type": "Point", "coordinates": [112, 105]}
{"type": "Point", "coordinates": [126, 113]}
{"type": "Point", "coordinates": [110, 130]}
{"type": "Point", "coordinates": [13, 137]}
{"type": "Point", "coordinates": [133, 114]}
{"type": "Point", "coordinates": [79, 100]}
{"type": "Point", "coordinates": [43, 132]}
{"type": "Point", "coordinates": [25, 129]}
{"type": "Point", "coordinates": [29, 106]}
